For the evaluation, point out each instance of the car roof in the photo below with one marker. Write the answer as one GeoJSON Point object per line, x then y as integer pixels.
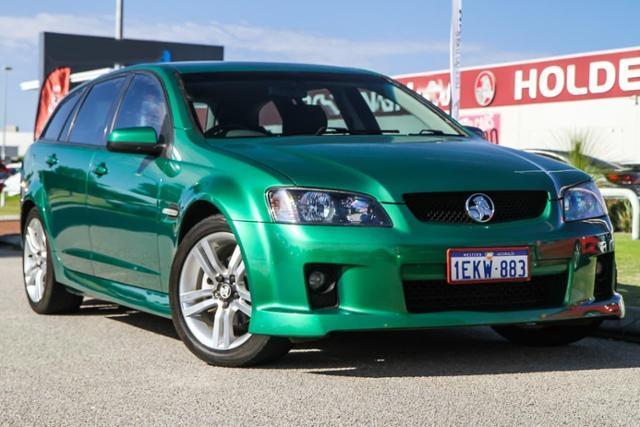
{"type": "Point", "coordinates": [188, 67]}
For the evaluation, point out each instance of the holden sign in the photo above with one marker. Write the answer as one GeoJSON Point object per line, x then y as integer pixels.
{"type": "Point", "coordinates": [485, 88]}
{"type": "Point", "coordinates": [593, 75]}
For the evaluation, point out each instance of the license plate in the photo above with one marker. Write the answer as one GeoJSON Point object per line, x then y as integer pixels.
{"type": "Point", "coordinates": [481, 265]}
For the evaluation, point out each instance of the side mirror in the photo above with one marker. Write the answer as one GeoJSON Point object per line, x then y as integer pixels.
{"type": "Point", "coordinates": [138, 140]}
{"type": "Point", "coordinates": [475, 131]}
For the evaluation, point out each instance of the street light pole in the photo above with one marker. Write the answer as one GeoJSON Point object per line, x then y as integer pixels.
{"type": "Point", "coordinates": [454, 57]}
{"type": "Point", "coordinates": [119, 25]}
{"type": "Point", "coordinates": [119, 19]}
{"type": "Point", "coordinates": [3, 155]}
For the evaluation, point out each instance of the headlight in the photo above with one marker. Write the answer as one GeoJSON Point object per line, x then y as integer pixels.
{"type": "Point", "coordinates": [311, 206]}
{"type": "Point", "coordinates": [583, 201]}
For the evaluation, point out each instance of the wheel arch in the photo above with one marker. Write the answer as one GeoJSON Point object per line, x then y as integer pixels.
{"type": "Point", "coordinates": [195, 212]}
{"type": "Point", "coordinates": [26, 207]}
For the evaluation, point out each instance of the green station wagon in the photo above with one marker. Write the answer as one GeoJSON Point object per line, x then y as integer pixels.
{"type": "Point", "coordinates": [255, 203]}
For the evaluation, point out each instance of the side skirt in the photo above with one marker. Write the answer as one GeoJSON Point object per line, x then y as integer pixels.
{"type": "Point", "coordinates": [146, 300]}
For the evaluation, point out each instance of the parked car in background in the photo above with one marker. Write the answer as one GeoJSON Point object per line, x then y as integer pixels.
{"type": "Point", "coordinates": [606, 173]}
{"type": "Point", "coordinates": [14, 167]}
{"type": "Point", "coordinates": [255, 203]}
{"type": "Point", "coordinates": [12, 185]}
{"type": "Point", "coordinates": [628, 177]}
{"type": "Point", "coordinates": [10, 178]}
{"type": "Point", "coordinates": [5, 172]}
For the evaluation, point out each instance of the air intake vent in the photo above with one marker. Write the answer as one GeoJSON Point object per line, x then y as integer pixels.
{"type": "Point", "coordinates": [424, 296]}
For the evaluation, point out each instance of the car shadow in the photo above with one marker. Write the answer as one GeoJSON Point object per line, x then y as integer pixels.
{"type": "Point", "coordinates": [148, 322]}
{"type": "Point", "coordinates": [449, 352]}
{"type": "Point", "coordinates": [425, 353]}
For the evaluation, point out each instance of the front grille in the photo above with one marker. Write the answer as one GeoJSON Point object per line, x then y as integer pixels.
{"type": "Point", "coordinates": [423, 296]}
{"type": "Point", "coordinates": [449, 207]}
{"type": "Point", "coordinates": [603, 286]}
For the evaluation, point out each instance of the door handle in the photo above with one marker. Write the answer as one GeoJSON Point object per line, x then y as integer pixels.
{"type": "Point", "coordinates": [100, 170]}
{"type": "Point", "coordinates": [52, 160]}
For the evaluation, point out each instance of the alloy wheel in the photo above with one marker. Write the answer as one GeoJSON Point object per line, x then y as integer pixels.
{"type": "Point", "coordinates": [35, 260]}
{"type": "Point", "coordinates": [214, 295]}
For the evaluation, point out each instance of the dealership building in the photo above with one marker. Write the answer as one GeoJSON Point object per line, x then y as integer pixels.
{"type": "Point", "coordinates": [542, 103]}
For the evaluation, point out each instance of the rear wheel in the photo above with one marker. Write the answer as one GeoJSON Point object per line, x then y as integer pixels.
{"type": "Point", "coordinates": [45, 295]}
{"type": "Point", "coordinates": [211, 299]}
{"type": "Point", "coordinates": [546, 335]}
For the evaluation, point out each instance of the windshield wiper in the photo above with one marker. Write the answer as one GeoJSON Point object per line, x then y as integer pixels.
{"type": "Point", "coordinates": [342, 130]}
{"type": "Point", "coordinates": [436, 132]}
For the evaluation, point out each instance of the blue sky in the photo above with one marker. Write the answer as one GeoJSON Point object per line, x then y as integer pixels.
{"type": "Point", "coordinates": [393, 37]}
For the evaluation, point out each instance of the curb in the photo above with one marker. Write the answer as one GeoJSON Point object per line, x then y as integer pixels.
{"type": "Point", "coordinates": [627, 329]}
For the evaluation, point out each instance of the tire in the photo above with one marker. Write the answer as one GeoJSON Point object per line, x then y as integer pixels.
{"type": "Point", "coordinates": [200, 302]}
{"type": "Point", "coordinates": [45, 295]}
{"type": "Point", "coordinates": [555, 334]}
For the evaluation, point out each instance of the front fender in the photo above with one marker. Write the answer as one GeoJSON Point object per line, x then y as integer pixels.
{"type": "Point", "coordinates": [234, 187]}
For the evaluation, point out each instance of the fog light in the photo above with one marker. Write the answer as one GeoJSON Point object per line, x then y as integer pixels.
{"type": "Point", "coordinates": [322, 284]}
{"type": "Point", "coordinates": [317, 281]}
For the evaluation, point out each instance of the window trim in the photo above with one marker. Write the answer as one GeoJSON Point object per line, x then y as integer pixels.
{"type": "Point", "coordinates": [169, 138]}
{"type": "Point", "coordinates": [63, 139]}
{"type": "Point", "coordinates": [122, 75]}
{"type": "Point", "coordinates": [64, 100]}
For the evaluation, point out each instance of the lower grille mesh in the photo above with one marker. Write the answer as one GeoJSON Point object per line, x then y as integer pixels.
{"type": "Point", "coordinates": [423, 296]}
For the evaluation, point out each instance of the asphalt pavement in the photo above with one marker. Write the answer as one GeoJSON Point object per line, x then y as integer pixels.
{"type": "Point", "coordinates": [108, 365]}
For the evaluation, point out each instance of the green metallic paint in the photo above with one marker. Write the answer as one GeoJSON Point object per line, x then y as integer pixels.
{"type": "Point", "coordinates": [110, 238]}
{"type": "Point", "coordinates": [139, 135]}
{"type": "Point", "coordinates": [386, 167]}
{"type": "Point", "coordinates": [122, 210]}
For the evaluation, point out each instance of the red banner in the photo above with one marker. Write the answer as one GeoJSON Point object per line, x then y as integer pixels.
{"type": "Point", "coordinates": [55, 87]}
{"type": "Point", "coordinates": [568, 78]}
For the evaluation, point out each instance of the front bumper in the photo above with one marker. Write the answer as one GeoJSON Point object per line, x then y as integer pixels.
{"type": "Point", "coordinates": [377, 262]}
{"type": "Point", "coordinates": [303, 324]}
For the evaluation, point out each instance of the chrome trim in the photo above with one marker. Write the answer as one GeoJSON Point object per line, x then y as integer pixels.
{"type": "Point", "coordinates": [484, 207]}
{"type": "Point", "coordinates": [171, 212]}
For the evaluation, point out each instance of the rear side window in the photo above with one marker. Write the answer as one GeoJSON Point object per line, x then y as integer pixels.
{"type": "Point", "coordinates": [60, 116]}
{"type": "Point", "coordinates": [143, 105]}
{"type": "Point", "coordinates": [91, 122]}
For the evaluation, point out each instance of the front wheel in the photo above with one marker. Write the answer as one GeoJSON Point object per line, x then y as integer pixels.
{"type": "Point", "coordinates": [211, 299]}
{"type": "Point", "coordinates": [546, 335]}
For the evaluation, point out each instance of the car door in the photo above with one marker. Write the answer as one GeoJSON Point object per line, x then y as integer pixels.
{"type": "Point", "coordinates": [72, 161]}
{"type": "Point", "coordinates": [63, 173]}
{"type": "Point", "coordinates": [123, 207]}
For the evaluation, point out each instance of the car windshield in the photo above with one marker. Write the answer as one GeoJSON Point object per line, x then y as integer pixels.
{"type": "Point", "coordinates": [244, 105]}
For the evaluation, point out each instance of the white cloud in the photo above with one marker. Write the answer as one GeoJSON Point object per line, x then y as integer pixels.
{"type": "Point", "coordinates": [241, 40]}
{"type": "Point", "coordinates": [22, 31]}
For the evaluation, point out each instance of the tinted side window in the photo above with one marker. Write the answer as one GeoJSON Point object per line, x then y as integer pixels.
{"type": "Point", "coordinates": [59, 118]}
{"type": "Point", "coordinates": [64, 135]}
{"type": "Point", "coordinates": [91, 122]}
{"type": "Point", "coordinates": [143, 105]}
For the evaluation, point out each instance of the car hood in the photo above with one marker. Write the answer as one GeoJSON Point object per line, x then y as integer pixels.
{"type": "Point", "coordinates": [387, 167]}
